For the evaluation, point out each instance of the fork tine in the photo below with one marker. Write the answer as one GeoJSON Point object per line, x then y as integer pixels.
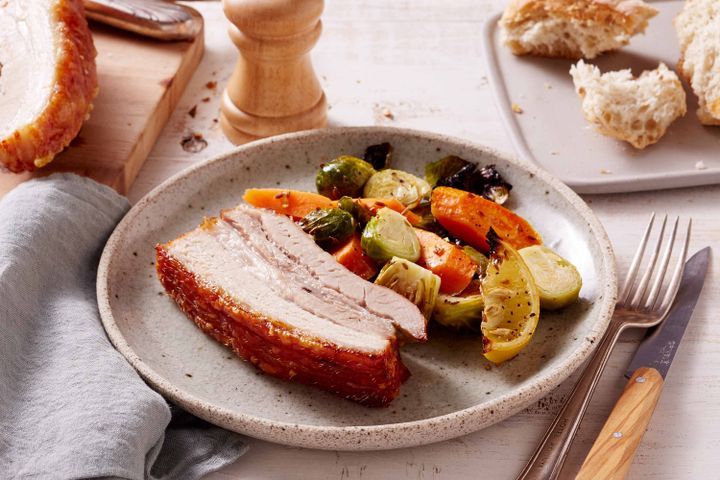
{"type": "Point", "coordinates": [645, 280]}
{"type": "Point", "coordinates": [677, 275]}
{"type": "Point", "coordinates": [662, 270]}
{"type": "Point", "coordinates": [635, 264]}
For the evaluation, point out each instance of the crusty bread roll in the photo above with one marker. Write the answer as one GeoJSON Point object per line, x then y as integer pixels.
{"type": "Point", "coordinates": [698, 28]}
{"type": "Point", "coordinates": [637, 110]}
{"type": "Point", "coordinates": [572, 28]}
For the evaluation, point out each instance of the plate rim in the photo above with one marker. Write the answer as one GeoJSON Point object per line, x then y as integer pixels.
{"type": "Point", "coordinates": [366, 437]}
{"type": "Point", "coordinates": [612, 184]}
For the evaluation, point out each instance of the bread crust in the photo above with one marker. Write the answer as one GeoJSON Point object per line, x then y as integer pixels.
{"type": "Point", "coordinates": [638, 110]}
{"type": "Point", "coordinates": [74, 87]}
{"type": "Point", "coordinates": [695, 36]}
{"type": "Point", "coordinates": [631, 16]}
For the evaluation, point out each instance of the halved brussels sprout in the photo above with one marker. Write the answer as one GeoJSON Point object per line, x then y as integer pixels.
{"type": "Point", "coordinates": [512, 303]}
{"type": "Point", "coordinates": [402, 186]}
{"type": "Point", "coordinates": [462, 312]}
{"type": "Point", "coordinates": [379, 156]}
{"type": "Point", "coordinates": [328, 226]}
{"type": "Point", "coordinates": [388, 234]}
{"type": "Point", "coordinates": [346, 175]}
{"type": "Point", "coordinates": [558, 281]}
{"type": "Point", "coordinates": [412, 281]}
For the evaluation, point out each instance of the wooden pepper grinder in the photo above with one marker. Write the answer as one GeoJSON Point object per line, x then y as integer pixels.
{"type": "Point", "coordinates": [273, 88]}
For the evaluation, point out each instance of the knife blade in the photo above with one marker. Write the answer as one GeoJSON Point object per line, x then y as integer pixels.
{"type": "Point", "coordinates": [151, 18]}
{"type": "Point", "coordinates": [614, 449]}
{"type": "Point", "coordinates": [659, 346]}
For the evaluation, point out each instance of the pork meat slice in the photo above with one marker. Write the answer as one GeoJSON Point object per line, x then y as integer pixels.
{"type": "Point", "coordinates": [266, 302]}
{"type": "Point", "coordinates": [300, 249]}
{"type": "Point", "coordinates": [47, 79]}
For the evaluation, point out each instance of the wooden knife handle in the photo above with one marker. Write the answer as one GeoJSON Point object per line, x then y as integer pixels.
{"type": "Point", "coordinates": [614, 449]}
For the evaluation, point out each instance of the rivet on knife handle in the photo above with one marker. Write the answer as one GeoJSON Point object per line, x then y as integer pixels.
{"type": "Point", "coordinates": [151, 18]}
{"type": "Point", "coordinates": [614, 449]}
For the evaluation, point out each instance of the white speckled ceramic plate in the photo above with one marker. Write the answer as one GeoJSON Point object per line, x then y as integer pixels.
{"type": "Point", "coordinates": [450, 392]}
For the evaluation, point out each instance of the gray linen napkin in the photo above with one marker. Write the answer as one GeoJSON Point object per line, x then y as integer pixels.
{"type": "Point", "coordinates": [70, 405]}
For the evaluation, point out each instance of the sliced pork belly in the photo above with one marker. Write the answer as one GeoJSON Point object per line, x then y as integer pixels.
{"type": "Point", "coordinates": [313, 262]}
{"type": "Point", "coordinates": [259, 285]}
{"type": "Point", "coordinates": [48, 79]}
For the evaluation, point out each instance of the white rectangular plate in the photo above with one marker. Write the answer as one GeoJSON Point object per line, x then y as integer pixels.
{"type": "Point", "coordinates": [553, 133]}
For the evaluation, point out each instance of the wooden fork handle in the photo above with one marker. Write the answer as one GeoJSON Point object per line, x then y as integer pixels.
{"type": "Point", "coordinates": [614, 449]}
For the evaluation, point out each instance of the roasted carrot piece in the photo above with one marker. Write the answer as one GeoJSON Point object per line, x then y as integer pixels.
{"type": "Point", "coordinates": [293, 203]}
{"type": "Point", "coordinates": [375, 204]}
{"type": "Point", "coordinates": [297, 204]}
{"type": "Point", "coordinates": [454, 267]}
{"type": "Point", "coordinates": [351, 256]}
{"type": "Point", "coordinates": [469, 217]}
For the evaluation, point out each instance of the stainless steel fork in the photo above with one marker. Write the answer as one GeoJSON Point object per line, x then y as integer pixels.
{"type": "Point", "coordinates": [641, 304]}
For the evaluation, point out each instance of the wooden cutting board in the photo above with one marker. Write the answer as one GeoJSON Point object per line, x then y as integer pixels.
{"type": "Point", "coordinates": [141, 81]}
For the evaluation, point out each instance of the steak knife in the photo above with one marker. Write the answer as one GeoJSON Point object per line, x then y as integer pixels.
{"type": "Point", "coordinates": [612, 453]}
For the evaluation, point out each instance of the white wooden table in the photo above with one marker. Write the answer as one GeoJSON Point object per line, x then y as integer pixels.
{"type": "Point", "coordinates": [422, 61]}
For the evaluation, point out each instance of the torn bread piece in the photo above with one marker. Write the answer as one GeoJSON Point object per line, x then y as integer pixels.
{"type": "Point", "coordinates": [635, 109]}
{"type": "Point", "coordinates": [572, 28]}
{"type": "Point", "coordinates": [698, 29]}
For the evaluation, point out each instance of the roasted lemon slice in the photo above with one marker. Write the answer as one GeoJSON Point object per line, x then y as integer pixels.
{"type": "Point", "coordinates": [512, 303]}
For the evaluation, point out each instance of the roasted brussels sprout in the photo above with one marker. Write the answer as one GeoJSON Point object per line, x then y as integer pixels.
{"type": "Point", "coordinates": [388, 234]}
{"type": "Point", "coordinates": [379, 156]}
{"type": "Point", "coordinates": [458, 173]}
{"type": "Point", "coordinates": [348, 204]}
{"type": "Point", "coordinates": [402, 186]}
{"type": "Point", "coordinates": [329, 226]}
{"type": "Point", "coordinates": [346, 175]}
{"type": "Point", "coordinates": [442, 168]}
{"type": "Point", "coordinates": [558, 281]}
{"type": "Point", "coordinates": [462, 312]}
{"type": "Point", "coordinates": [412, 281]}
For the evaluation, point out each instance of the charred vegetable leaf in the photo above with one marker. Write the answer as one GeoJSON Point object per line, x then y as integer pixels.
{"type": "Point", "coordinates": [426, 220]}
{"type": "Point", "coordinates": [412, 281]}
{"type": "Point", "coordinates": [493, 186]}
{"type": "Point", "coordinates": [402, 186]}
{"type": "Point", "coordinates": [379, 156]}
{"type": "Point", "coordinates": [329, 226]}
{"type": "Point", "coordinates": [477, 257]}
{"type": "Point", "coordinates": [458, 173]}
{"type": "Point", "coordinates": [445, 167]}
{"type": "Point", "coordinates": [346, 175]}
{"type": "Point", "coordinates": [389, 234]}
